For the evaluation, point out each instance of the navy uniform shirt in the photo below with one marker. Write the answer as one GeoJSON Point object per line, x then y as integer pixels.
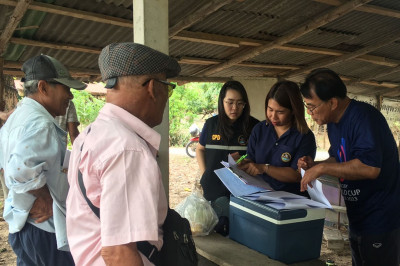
{"type": "Point", "coordinates": [266, 148]}
{"type": "Point", "coordinates": [373, 205]}
{"type": "Point", "coordinates": [216, 150]}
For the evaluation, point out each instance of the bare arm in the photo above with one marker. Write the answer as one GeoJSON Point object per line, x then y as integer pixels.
{"type": "Point", "coordinates": [122, 255]}
{"type": "Point", "coordinates": [200, 157]}
{"type": "Point", "coordinates": [73, 130]}
{"type": "Point", "coordinates": [351, 170]}
{"type": "Point", "coordinates": [42, 208]}
{"type": "Point", "coordinates": [283, 174]}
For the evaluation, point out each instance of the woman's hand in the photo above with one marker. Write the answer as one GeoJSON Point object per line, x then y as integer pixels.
{"type": "Point", "coordinates": [235, 156]}
{"type": "Point", "coordinates": [252, 168]}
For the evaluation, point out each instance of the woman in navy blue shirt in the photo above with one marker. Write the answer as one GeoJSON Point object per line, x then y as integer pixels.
{"type": "Point", "coordinates": [276, 144]}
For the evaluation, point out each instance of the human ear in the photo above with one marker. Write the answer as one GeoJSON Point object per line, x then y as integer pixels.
{"type": "Point", "coordinates": [42, 87]}
{"type": "Point", "coordinates": [151, 90]}
{"type": "Point", "coordinates": [334, 103]}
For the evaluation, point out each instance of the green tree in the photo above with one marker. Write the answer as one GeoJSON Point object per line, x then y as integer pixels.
{"type": "Point", "coordinates": [190, 103]}
{"type": "Point", "coordinates": [87, 107]}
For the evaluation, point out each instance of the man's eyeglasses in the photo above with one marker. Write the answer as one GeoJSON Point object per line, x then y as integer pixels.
{"type": "Point", "coordinates": [170, 85]}
{"type": "Point", "coordinates": [238, 104]}
{"type": "Point", "coordinates": [311, 109]}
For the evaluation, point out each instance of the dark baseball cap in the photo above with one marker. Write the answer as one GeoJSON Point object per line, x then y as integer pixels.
{"type": "Point", "coordinates": [44, 67]}
{"type": "Point", "coordinates": [131, 59]}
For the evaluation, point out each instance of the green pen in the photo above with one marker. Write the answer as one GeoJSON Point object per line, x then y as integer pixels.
{"type": "Point", "coordinates": [241, 158]}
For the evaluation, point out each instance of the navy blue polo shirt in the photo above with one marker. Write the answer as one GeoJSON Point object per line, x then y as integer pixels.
{"type": "Point", "coordinates": [373, 206]}
{"type": "Point", "coordinates": [265, 147]}
{"type": "Point", "coordinates": [217, 149]}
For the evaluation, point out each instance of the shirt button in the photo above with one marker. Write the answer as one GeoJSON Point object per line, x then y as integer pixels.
{"type": "Point", "coordinates": [276, 144]}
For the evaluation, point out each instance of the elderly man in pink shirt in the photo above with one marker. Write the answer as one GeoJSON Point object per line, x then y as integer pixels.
{"type": "Point", "coordinates": [116, 158]}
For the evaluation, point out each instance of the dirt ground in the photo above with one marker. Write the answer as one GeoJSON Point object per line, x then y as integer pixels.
{"type": "Point", "coordinates": [183, 173]}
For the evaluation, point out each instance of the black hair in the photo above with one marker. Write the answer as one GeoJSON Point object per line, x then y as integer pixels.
{"type": "Point", "coordinates": [287, 94]}
{"type": "Point", "coordinates": [224, 124]}
{"type": "Point", "coordinates": [325, 83]}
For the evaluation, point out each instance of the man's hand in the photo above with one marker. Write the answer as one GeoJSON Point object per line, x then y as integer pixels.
{"type": "Point", "coordinates": [305, 163]}
{"type": "Point", "coordinates": [309, 176]}
{"type": "Point", "coordinates": [252, 169]}
{"type": "Point", "coordinates": [42, 208]}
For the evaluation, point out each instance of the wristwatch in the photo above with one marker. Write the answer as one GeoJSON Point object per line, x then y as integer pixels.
{"type": "Point", "coordinates": [267, 165]}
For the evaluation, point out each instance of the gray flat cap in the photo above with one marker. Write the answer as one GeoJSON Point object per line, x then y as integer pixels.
{"type": "Point", "coordinates": [129, 59]}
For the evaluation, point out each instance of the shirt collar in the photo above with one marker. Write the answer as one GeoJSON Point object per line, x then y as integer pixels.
{"type": "Point", "coordinates": [132, 122]}
{"type": "Point", "coordinates": [37, 106]}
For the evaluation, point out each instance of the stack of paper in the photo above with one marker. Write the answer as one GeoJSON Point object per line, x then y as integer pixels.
{"type": "Point", "coordinates": [241, 184]}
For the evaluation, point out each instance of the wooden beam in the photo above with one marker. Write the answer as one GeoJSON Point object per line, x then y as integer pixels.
{"type": "Point", "coordinates": [215, 39]}
{"type": "Point", "coordinates": [208, 8]}
{"type": "Point", "coordinates": [366, 8]}
{"type": "Point", "coordinates": [345, 57]}
{"type": "Point", "coordinates": [293, 34]}
{"type": "Point", "coordinates": [379, 60]}
{"type": "Point", "coordinates": [20, 9]}
{"type": "Point", "coordinates": [69, 47]}
{"type": "Point", "coordinates": [204, 61]}
{"type": "Point", "coordinates": [2, 103]}
{"type": "Point", "coordinates": [185, 79]}
{"type": "Point", "coordinates": [230, 41]}
{"type": "Point", "coordinates": [198, 61]}
{"type": "Point", "coordinates": [64, 11]}
{"type": "Point", "coordinates": [188, 60]}
{"type": "Point", "coordinates": [273, 66]}
{"type": "Point", "coordinates": [15, 68]}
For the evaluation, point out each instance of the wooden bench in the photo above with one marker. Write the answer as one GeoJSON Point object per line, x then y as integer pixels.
{"type": "Point", "coordinates": [226, 252]}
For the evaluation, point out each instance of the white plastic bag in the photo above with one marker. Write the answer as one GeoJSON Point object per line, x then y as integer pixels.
{"type": "Point", "coordinates": [200, 214]}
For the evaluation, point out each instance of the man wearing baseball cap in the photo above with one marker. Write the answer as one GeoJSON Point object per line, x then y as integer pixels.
{"type": "Point", "coordinates": [114, 159]}
{"type": "Point", "coordinates": [31, 154]}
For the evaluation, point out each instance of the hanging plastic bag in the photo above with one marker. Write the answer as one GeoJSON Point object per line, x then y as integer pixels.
{"type": "Point", "coordinates": [198, 211]}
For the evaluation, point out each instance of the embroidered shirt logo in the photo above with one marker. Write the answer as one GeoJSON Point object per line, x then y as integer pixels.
{"type": "Point", "coordinates": [286, 157]}
{"type": "Point", "coordinates": [216, 137]}
{"type": "Point", "coordinates": [242, 141]}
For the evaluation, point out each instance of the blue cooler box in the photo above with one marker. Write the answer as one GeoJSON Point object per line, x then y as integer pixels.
{"type": "Point", "coordinates": [286, 235]}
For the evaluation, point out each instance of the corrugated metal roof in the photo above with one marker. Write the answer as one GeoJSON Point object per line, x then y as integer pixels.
{"type": "Point", "coordinates": [252, 23]}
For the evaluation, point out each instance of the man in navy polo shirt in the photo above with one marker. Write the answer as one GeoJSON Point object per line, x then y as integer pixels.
{"type": "Point", "coordinates": [364, 156]}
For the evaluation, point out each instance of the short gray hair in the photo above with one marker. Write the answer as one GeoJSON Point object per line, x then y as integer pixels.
{"type": "Point", "coordinates": [30, 87]}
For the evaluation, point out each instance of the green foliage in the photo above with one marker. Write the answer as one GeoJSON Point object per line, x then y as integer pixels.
{"type": "Point", "coordinates": [190, 103]}
{"type": "Point", "coordinates": [87, 107]}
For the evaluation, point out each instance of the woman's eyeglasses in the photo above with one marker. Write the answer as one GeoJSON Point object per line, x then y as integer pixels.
{"type": "Point", "coordinates": [238, 104]}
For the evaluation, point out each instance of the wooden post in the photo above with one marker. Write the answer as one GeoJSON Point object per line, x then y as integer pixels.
{"type": "Point", "coordinates": [379, 100]}
{"type": "Point", "coordinates": [2, 102]}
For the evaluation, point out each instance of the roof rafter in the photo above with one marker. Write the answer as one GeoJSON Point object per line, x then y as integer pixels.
{"type": "Point", "coordinates": [230, 41]}
{"type": "Point", "coordinates": [207, 9]}
{"type": "Point", "coordinates": [59, 10]}
{"type": "Point", "coordinates": [290, 36]}
{"type": "Point", "coordinates": [365, 8]}
{"type": "Point", "coordinates": [330, 61]}
{"type": "Point", "coordinates": [20, 9]}
{"type": "Point", "coordinates": [69, 47]}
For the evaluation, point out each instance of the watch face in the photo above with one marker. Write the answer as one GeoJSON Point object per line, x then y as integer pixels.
{"type": "Point", "coordinates": [286, 157]}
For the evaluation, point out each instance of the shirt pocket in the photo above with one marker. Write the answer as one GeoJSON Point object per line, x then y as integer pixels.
{"type": "Point", "coordinates": [283, 155]}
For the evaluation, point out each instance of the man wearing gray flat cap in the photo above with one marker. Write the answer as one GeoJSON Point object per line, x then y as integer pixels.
{"type": "Point", "coordinates": [32, 153]}
{"type": "Point", "coordinates": [113, 173]}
